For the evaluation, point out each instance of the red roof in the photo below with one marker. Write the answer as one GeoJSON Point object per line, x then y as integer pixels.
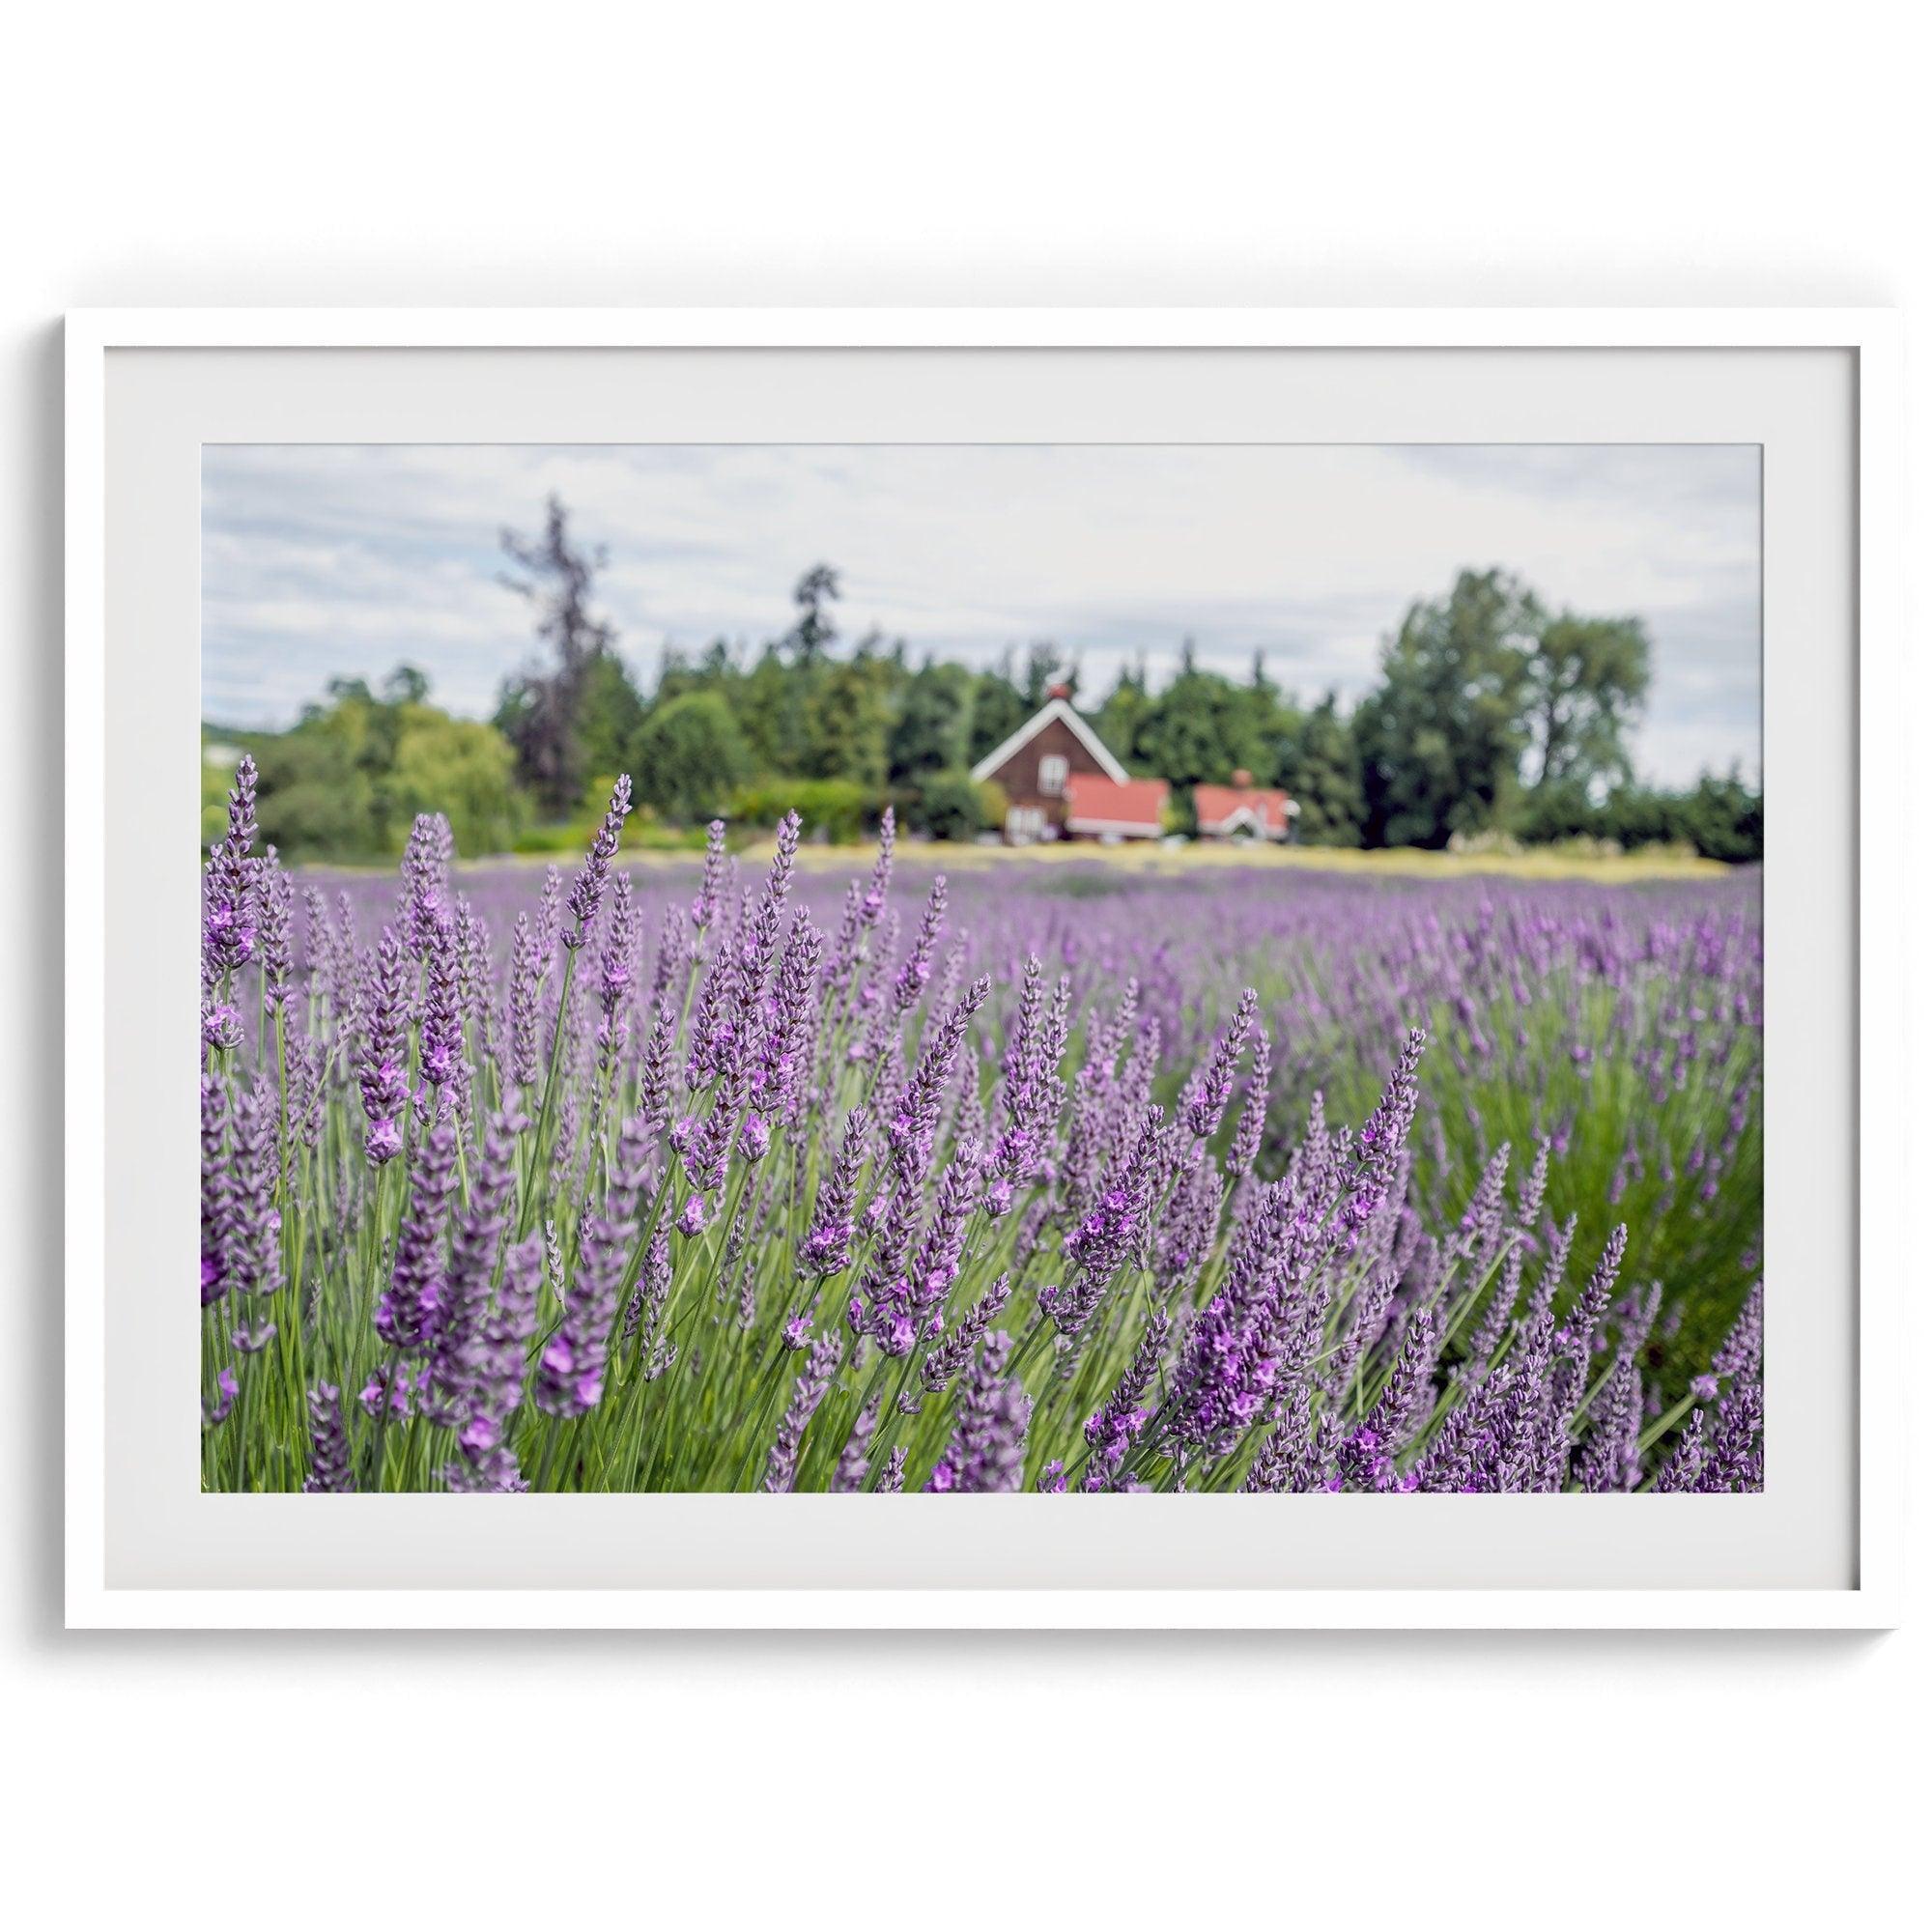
{"type": "Point", "coordinates": [1095, 799]}
{"type": "Point", "coordinates": [1215, 805]}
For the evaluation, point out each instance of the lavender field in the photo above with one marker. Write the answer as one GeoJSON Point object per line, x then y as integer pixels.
{"type": "Point", "coordinates": [1069, 1179]}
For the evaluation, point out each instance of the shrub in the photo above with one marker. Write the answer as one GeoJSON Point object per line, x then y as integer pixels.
{"type": "Point", "coordinates": [950, 806]}
{"type": "Point", "coordinates": [690, 757]}
{"type": "Point", "coordinates": [835, 811]}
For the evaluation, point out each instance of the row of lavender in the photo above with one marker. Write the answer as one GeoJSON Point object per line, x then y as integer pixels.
{"type": "Point", "coordinates": [753, 1185]}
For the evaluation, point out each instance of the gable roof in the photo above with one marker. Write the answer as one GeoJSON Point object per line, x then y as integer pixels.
{"type": "Point", "coordinates": [1219, 807]}
{"type": "Point", "coordinates": [1134, 803]}
{"type": "Point", "coordinates": [1056, 708]}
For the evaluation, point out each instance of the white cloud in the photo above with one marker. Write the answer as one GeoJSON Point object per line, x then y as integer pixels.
{"type": "Point", "coordinates": [326, 560]}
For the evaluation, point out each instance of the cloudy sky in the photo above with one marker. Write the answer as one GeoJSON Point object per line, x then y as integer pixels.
{"type": "Point", "coordinates": [336, 560]}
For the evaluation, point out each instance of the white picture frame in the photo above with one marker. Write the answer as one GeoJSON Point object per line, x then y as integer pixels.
{"type": "Point", "coordinates": [1873, 767]}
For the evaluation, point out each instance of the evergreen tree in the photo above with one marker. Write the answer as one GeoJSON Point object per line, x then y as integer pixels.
{"type": "Point", "coordinates": [770, 715]}
{"type": "Point", "coordinates": [1119, 719]}
{"type": "Point", "coordinates": [998, 710]}
{"type": "Point", "coordinates": [845, 720]}
{"type": "Point", "coordinates": [1319, 769]}
{"type": "Point", "coordinates": [929, 734]}
{"type": "Point", "coordinates": [814, 631]}
{"type": "Point", "coordinates": [1043, 673]}
{"type": "Point", "coordinates": [1199, 730]}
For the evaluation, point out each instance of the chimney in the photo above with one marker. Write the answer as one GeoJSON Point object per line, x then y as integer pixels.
{"type": "Point", "coordinates": [1059, 691]}
{"type": "Point", "coordinates": [1244, 780]}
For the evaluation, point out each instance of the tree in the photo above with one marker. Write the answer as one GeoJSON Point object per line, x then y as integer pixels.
{"type": "Point", "coordinates": [314, 800]}
{"type": "Point", "coordinates": [998, 710]}
{"type": "Point", "coordinates": [610, 710]}
{"type": "Point", "coordinates": [845, 719]}
{"type": "Point", "coordinates": [463, 769]}
{"type": "Point", "coordinates": [689, 757]}
{"type": "Point", "coordinates": [1120, 717]}
{"type": "Point", "coordinates": [950, 806]}
{"type": "Point", "coordinates": [812, 635]}
{"type": "Point", "coordinates": [1044, 671]}
{"type": "Point", "coordinates": [405, 684]}
{"type": "Point", "coordinates": [542, 711]}
{"type": "Point", "coordinates": [348, 779]}
{"type": "Point", "coordinates": [1441, 736]}
{"type": "Point", "coordinates": [1318, 767]}
{"type": "Point", "coordinates": [930, 733]}
{"type": "Point", "coordinates": [765, 703]}
{"type": "Point", "coordinates": [1199, 730]}
{"type": "Point", "coordinates": [1587, 680]}
{"type": "Point", "coordinates": [1724, 819]}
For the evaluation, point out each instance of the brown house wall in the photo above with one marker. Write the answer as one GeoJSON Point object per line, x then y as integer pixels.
{"type": "Point", "coordinates": [1019, 777]}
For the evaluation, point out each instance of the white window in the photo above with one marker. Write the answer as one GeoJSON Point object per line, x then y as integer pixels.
{"type": "Point", "coordinates": [1052, 775]}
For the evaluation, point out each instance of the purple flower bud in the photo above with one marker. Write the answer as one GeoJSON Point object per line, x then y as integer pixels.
{"type": "Point", "coordinates": [586, 895]}
{"type": "Point", "coordinates": [328, 1445]}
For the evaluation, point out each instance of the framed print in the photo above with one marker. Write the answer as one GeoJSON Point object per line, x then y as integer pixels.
{"type": "Point", "coordinates": [956, 968]}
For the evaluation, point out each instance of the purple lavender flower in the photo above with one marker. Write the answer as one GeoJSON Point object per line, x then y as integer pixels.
{"type": "Point", "coordinates": [227, 1388]}
{"type": "Point", "coordinates": [426, 861]}
{"type": "Point", "coordinates": [529, 970]}
{"type": "Point", "coordinates": [1580, 1336]}
{"type": "Point", "coordinates": [464, 1300]}
{"type": "Point", "coordinates": [617, 968]}
{"type": "Point", "coordinates": [385, 1089]}
{"type": "Point", "coordinates": [652, 1291]}
{"type": "Point", "coordinates": [807, 1392]}
{"type": "Point", "coordinates": [1379, 1144]}
{"type": "Point", "coordinates": [1249, 1128]}
{"type": "Point", "coordinates": [987, 1451]}
{"type": "Point", "coordinates": [910, 985]}
{"type": "Point", "coordinates": [1213, 1086]}
{"type": "Point", "coordinates": [914, 1117]}
{"type": "Point", "coordinates": [217, 1191]}
{"type": "Point", "coordinates": [586, 895]}
{"type": "Point", "coordinates": [252, 1249]}
{"type": "Point", "coordinates": [493, 1379]}
{"type": "Point", "coordinates": [1680, 1474]}
{"type": "Point", "coordinates": [230, 901]}
{"type": "Point", "coordinates": [329, 1443]}
{"type": "Point", "coordinates": [1107, 1237]}
{"type": "Point", "coordinates": [570, 1370]}
{"type": "Point", "coordinates": [441, 1039]}
{"type": "Point", "coordinates": [849, 1477]}
{"type": "Point", "coordinates": [705, 907]}
{"type": "Point", "coordinates": [1609, 1462]}
{"type": "Point", "coordinates": [956, 1348]}
{"type": "Point", "coordinates": [407, 1309]}
{"type": "Point", "coordinates": [827, 1248]}
{"type": "Point", "coordinates": [278, 910]}
{"type": "Point", "coordinates": [1112, 1429]}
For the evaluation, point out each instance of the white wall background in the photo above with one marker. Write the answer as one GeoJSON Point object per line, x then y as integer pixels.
{"type": "Point", "coordinates": [830, 153]}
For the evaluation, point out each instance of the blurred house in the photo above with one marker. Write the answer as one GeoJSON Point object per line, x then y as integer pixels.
{"type": "Point", "coordinates": [1244, 809]}
{"type": "Point", "coordinates": [1096, 807]}
{"type": "Point", "coordinates": [1061, 782]}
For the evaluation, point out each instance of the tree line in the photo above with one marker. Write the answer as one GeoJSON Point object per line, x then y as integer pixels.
{"type": "Point", "coordinates": [1492, 714]}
